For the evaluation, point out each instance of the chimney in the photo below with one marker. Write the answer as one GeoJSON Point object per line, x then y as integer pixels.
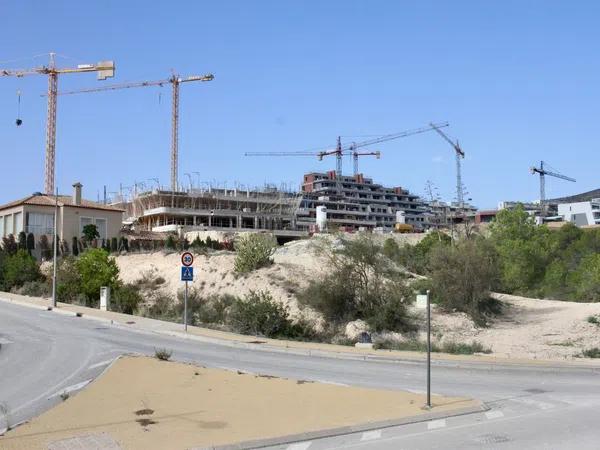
{"type": "Point", "coordinates": [77, 193]}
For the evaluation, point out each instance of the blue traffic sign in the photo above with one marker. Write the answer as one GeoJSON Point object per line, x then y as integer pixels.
{"type": "Point", "coordinates": [187, 273]}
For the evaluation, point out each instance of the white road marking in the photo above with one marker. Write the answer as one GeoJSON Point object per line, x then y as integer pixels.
{"type": "Point", "coordinates": [370, 435]}
{"type": "Point", "coordinates": [72, 388]}
{"type": "Point", "coordinates": [494, 414]}
{"type": "Point", "coordinates": [299, 446]}
{"type": "Point", "coordinates": [332, 382]}
{"type": "Point", "coordinates": [432, 425]}
{"type": "Point", "coordinates": [531, 402]}
{"type": "Point", "coordinates": [101, 363]}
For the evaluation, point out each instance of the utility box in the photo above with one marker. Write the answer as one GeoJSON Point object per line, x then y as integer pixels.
{"type": "Point", "coordinates": [421, 301]}
{"type": "Point", "coordinates": [104, 298]}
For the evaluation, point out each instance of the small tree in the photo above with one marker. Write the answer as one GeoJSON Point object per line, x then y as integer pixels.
{"type": "Point", "coordinates": [45, 248]}
{"type": "Point", "coordinates": [9, 244]}
{"type": "Point", "coordinates": [75, 246]}
{"type": "Point", "coordinates": [170, 243]}
{"type": "Point", "coordinates": [30, 243]}
{"type": "Point", "coordinates": [22, 245]}
{"type": "Point", "coordinates": [96, 269]}
{"type": "Point", "coordinates": [253, 252]}
{"type": "Point", "coordinates": [114, 245]}
{"type": "Point", "coordinates": [90, 233]}
{"type": "Point", "coordinates": [463, 276]}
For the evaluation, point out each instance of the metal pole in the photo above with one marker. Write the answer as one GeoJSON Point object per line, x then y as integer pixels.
{"type": "Point", "coordinates": [185, 301]}
{"type": "Point", "coordinates": [55, 249]}
{"type": "Point", "coordinates": [428, 350]}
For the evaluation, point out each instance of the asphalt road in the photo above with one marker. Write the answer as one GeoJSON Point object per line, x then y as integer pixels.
{"type": "Point", "coordinates": [44, 354]}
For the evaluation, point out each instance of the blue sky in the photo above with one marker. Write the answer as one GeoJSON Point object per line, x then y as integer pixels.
{"type": "Point", "coordinates": [517, 80]}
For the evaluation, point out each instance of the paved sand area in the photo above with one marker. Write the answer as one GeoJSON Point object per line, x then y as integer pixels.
{"type": "Point", "coordinates": [144, 403]}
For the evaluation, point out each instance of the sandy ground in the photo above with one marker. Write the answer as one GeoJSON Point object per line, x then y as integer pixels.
{"type": "Point", "coordinates": [143, 403]}
{"type": "Point", "coordinates": [529, 329]}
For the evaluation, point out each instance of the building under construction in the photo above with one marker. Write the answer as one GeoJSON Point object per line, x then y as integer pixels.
{"type": "Point", "coordinates": [347, 202]}
{"type": "Point", "coordinates": [356, 202]}
{"type": "Point", "coordinates": [269, 208]}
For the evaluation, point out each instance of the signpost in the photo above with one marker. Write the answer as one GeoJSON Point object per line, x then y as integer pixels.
{"type": "Point", "coordinates": [187, 274]}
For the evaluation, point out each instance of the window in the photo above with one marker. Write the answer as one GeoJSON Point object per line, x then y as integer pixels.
{"type": "Point", "coordinates": [101, 226]}
{"type": "Point", "coordinates": [99, 222]}
{"type": "Point", "coordinates": [38, 223]}
{"type": "Point", "coordinates": [8, 224]}
{"type": "Point", "coordinates": [18, 222]}
{"type": "Point", "coordinates": [83, 221]}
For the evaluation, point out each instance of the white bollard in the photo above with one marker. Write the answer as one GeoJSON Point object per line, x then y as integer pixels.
{"type": "Point", "coordinates": [104, 298]}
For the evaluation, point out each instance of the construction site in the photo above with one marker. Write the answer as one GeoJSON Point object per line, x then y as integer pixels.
{"type": "Point", "coordinates": [321, 201]}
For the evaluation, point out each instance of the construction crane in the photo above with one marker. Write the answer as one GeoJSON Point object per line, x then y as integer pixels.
{"type": "Point", "coordinates": [351, 149]}
{"type": "Point", "coordinates": [356, 154]}
{"type": "Point", "coordinates": [460, 154]}
{"type": "Point", "coordinates": [105, 69]}
{"type": "Point", "coordinates": [175, 81]}
{"type": "Point", "coordinates": [543, 172]}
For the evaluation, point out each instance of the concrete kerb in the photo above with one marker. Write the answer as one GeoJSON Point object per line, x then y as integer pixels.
{"type": "Point", "coordinates": [499, 364]}
{"type": "Point", "coordinates": [332, 432]}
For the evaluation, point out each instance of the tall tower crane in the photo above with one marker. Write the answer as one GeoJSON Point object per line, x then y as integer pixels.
{"type": "Point", "coordinates": [543, 172]}
{"type": "Point", "coordinates": [356, 154]}
{"type": "Point", "coordinates": [105, 69]}
{"type": "Point", "coordinates": [460, 154]}
{"type": "Point", "coordinates": [175, 81]}
{"type": "Point", "coordinates": [352, 148]}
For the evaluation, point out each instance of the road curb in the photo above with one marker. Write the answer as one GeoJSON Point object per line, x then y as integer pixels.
{"type": "Point", "coordinates": [481, 364]}
{"type": "Point", "coordinates": [339, 431]}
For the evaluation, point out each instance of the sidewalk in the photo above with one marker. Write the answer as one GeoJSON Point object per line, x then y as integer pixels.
{"type": "Point", "coordinates": [144, 324]}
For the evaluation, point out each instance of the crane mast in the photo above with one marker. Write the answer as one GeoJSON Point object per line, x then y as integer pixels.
{"type": "Point", "coordinates": [175, 82]}
{"type": "Point", "coordinates": [459, 154]}
{"type": "Point", "coordinates": [543, 172]}
{"type": "Point", "coordinates": [105, 69]}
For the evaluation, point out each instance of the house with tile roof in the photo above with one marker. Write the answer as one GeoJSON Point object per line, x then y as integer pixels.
{"type": "Point", "coordinates": [35, 214]}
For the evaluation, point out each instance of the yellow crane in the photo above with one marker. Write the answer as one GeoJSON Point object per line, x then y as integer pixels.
{"type": "Point", "coordinates": [175, 81]}
{"type": "Point", "coordinates": [105, 69]}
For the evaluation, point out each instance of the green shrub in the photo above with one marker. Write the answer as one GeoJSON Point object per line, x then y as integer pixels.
{"type": "Point", "coordinates": [392, 313]}
{"type": "Point", "coordinates": [68, 280]}
{"type": "Point", "coordinates": [253, 251]}
{"type": "Point", "coordinates": [96, 269]}
{"type": "Point", "coordinates": [90, 233]}
{"type": "Point", "coordinates": [594, 320]}
{"type": "Point", "coordinates": [592, 353]}
{"type": "Point", "coordinates": [163, 354]}
{"type": "Point", "coordinates": [19, 268]}
{"type": "Point", "coordinates": [258, 314]}
{"type": "Point", "coordinates": [415, 345]}
{"type": "Point", "coordinates": [162, 306]}
{"type": "Point", "coordinates": [462, 277]}
{"type": "Point", "coordinates": [463, 348]}
{"type": "Point", "coordinates": [35, 289]}
{"type": "Point", "coordinates": [125, 299]}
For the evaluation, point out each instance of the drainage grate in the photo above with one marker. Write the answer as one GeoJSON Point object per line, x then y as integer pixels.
{"type": "Point", "coordinates": [536, 391]}
{"type": "Point", "coordinates": [491, 439]}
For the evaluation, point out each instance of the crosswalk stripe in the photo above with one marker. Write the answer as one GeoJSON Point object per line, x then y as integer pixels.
{"type": "Point", "coordinates": [299, 446]}
{"type": "Point", "coordinates": [370, 435]}
{"type": "Point", "coordinates": [436, 424]}
{"type": "Point", "coordinates": [494, 414]}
